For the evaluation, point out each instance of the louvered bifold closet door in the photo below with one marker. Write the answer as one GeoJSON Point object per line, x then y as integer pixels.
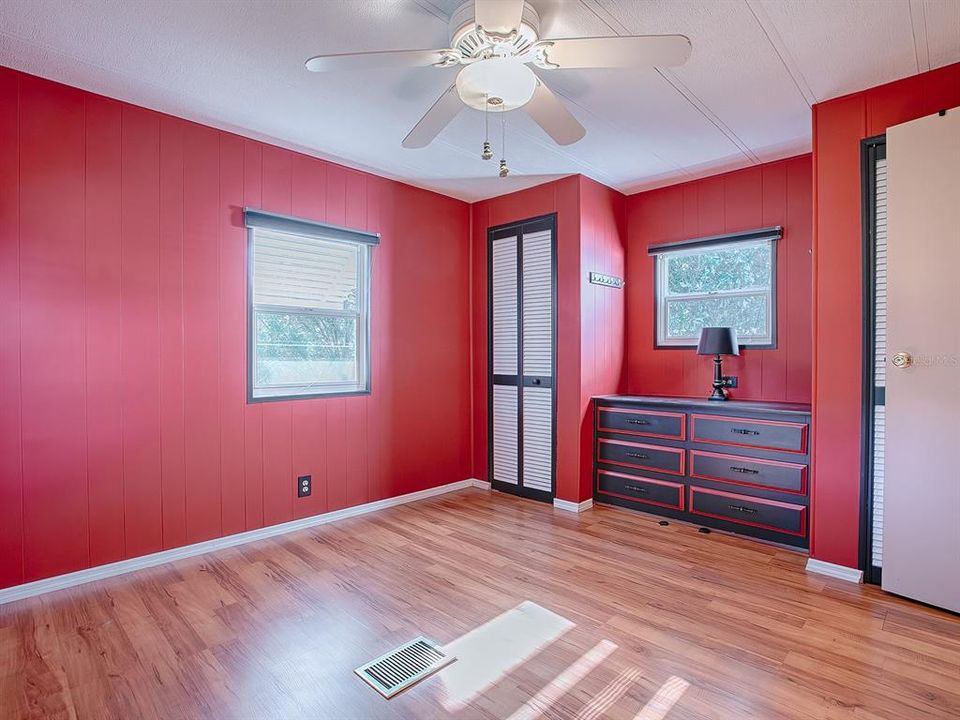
{"type": "Point", "coordinates": [880, 355]}
{"type": "Point", "coordinates": [875, 350]}
{"type": "Point", "coordinates": [505, 338]}
{"type": "Point", "coordinates": [522, 358]}
{"type": "Point", "coordinates": [537, 360]}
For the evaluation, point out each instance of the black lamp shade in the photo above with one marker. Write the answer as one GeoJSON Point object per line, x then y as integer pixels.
{"type": "Point", "coordinates": [718, 341]}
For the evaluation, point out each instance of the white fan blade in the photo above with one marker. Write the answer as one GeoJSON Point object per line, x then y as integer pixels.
{"type": "Point", "coordinates": [376, 60]}
{"type": "Point", "coordinates": [616, 51]}
{"type": "Point", "coordinates": [552, 115]}
{"type": "Point", "coordinates": [498, 16]}
{"type": "Point", "coordinates": [436, 119]}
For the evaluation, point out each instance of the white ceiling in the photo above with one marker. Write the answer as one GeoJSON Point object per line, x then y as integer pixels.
{"type": "Point", "coordinates": [743, 97]}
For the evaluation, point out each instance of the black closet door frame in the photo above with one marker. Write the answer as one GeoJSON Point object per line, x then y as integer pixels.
{"type": "Point", "coordinates": [872, 149]}
{"type": "Point", "coordinates": [518, 229]}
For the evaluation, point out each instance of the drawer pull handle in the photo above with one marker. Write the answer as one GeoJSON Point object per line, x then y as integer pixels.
{"type": "Point", "coordinates": [742, 508]}
{"type": "Point", "coordinates": [748, 471]}
{"type": "Point", "coordinates": [631, 421]}
{"type": "Point", "coordinates": [639, 456]}
{"type": "Point", "coordinates": [638, 489]}
{"type": "Point", "coordinates": [744, 431]}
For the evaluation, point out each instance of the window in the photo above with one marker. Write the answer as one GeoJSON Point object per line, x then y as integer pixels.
{"type": "Point", "coordinates": [309, 309]}
{"type": "Point", "coordinates": [727, 281]}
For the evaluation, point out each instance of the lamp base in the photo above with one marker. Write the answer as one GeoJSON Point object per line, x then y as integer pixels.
{"type": "Point", "coordinates": [718, 393]}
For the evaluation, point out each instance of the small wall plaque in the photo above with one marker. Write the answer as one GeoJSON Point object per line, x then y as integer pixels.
{"type": "Point", "coordinates": [606, 280]}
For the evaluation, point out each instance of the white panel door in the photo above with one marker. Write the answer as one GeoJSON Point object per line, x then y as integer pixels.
{"type": "Point", "coordinates": [921, 504]}
{"type": "Point", "coordinates": [522, 321]}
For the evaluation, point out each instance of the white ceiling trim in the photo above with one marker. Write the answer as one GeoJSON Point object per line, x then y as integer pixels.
{"type": "Point", "coordinates": [237, 65]}
{"type": "Point", "coordinates": [27, 49]}
{"type": "Point", "coordinates": [671, 79]}
{"type": "Point", "coordinates": [918, 23]}
{"type": "Point", "coordinates": [773, 35]}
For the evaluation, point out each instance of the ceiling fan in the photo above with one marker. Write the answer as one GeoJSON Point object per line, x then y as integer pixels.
{"type": "Point", "coordinates": [495, 42]}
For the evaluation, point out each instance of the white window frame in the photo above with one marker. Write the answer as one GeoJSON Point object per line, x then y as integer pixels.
{"type": "Point", "coordinates": [664, 296]}
{"type": "Point", "coordinates": [313, 233]}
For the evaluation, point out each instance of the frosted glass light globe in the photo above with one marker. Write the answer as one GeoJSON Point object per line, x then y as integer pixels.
{"type": "Point", "coordinates": [497, 77]}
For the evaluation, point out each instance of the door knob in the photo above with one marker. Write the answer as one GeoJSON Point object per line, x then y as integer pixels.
{"type": "Point", "coordinates": [902, 360]}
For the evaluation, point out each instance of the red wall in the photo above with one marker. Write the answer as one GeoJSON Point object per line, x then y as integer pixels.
{"type": "Point", "coordinates": [589, 318]}
{"type": "Point", "coordinates": [777, 193]}
{"type": "Point", "coordinates": [561, 197]}
{"type": "Point", "coordinates": [123, 423]}
{"type": "Point", "coordinates": [838, 127]}
{"type": "Point", "coordinates": [602, 309]}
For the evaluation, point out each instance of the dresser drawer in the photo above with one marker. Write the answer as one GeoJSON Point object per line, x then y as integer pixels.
{"type": "Point", "coordinates": [651, 423]}
{"type": "Point", "coordinates": [768, 514]}
{"type": "Point", "coordinates": [646, 490]}
{"type": "Point", "coordinates": [769, 434]}
{"type": "Point", "coordinates": [644, 457]}
{"type": "Point", "coordinates": [771, 474]}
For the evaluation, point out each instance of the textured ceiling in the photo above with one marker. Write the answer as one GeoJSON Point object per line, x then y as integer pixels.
{"type": "Point", "coordinates": [744, 96]}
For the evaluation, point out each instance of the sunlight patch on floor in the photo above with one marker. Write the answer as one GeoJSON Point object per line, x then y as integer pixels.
{"type": "Point", "coordinates": [606, 698]}
{"type": "Point", "coordinates": [564, 682]}
{"type": "Point", "coordinates": [490, 651]}
{"type": "Point", "coordinates": [664, 699]}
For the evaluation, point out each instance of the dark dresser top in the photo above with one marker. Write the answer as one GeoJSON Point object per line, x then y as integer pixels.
{"type": "Point", "coordinates": [704, 404]}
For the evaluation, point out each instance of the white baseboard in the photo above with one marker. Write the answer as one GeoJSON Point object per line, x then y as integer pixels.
{"type": "Point", "coordinates": [481, 484]}
{"type": "Point", "coordinates": [570, 506]}
{"type": "Point", "coordinates": [59, 582]}
{"type": "Point", "coordinates": [841, 572]}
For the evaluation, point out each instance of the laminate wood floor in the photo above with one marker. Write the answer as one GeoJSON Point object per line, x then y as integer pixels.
{"type": "Point", "coordinates": [656, 623]}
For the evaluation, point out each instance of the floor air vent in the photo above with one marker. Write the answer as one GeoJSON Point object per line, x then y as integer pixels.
{"type": "Point", "coordinates": [401, 668]}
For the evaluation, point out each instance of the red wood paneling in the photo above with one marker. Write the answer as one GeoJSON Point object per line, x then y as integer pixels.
{"type": "Point", "coordinates": [11, 477]}
{"type": "Point", "coordinates": [278, 478]}
{"type": "Point", "coordinates": [561, 197]}
{"type": "Point", "coordinates": [252, 417]}
{"type": "Point", "coordinates": [337, 436]}
{"type": "Point", "coordinates": [172, 459]}
{"type": "Point", "coordinates": [102, 230]}
{"type": "Point", "coordinates": [201, 305]}
{"type": "Point", "coordinates": [140, 329]}
{"type": "Point", "coordinates": [777, 193]}
{"type": "Point", "coordinates": [590, 232]}
{"type": "Point", "coordinates": [52, 329]}
{"type": "Point", "coordinates": [123, 329]}
{"type": "Point", "coordinates": [602, 311]}
{"type": "Point", "coordinates": [233, 317]}
{"type": "Point", "coordinates": [839, 125]}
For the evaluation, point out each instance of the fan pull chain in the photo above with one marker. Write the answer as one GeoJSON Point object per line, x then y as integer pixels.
{"type": "Point", "coordinates": [504, 170]}
{"type": "Point", "coordinates": [487, 150]}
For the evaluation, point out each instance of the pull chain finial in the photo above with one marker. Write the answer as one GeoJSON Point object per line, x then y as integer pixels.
{"type": "Point", "coordinates": [487, 153]}
{"type": "Point", "coordinates": [504, 170]}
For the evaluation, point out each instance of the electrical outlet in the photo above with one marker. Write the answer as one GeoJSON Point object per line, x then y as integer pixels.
{"type": "Point", "coordinates": [730, 381]}
{"type": "Point", "coordinates": [304, 485]}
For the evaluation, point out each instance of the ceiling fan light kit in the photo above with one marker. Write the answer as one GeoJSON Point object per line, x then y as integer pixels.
{"type": "Point", "coordinates": [495, 42]}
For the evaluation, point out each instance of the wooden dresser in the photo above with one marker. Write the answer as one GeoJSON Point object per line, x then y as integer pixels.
{"type": "Point", "coordinates": [737, 466]}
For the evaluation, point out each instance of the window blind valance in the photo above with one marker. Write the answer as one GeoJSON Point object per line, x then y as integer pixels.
{"type": "Point", "coordinates": [299, 226]}
{"type": "Point", "coordinates": [767, 233]}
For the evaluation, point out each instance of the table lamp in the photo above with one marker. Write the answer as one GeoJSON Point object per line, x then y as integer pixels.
{"type": "Point", "coordinates": [718, 341]}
